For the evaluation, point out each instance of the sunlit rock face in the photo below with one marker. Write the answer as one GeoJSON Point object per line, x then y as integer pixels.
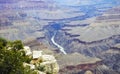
{"type": "Point", "coordinates": [40, 62]}
{"type": "Point", "coordinates": [88, 27]}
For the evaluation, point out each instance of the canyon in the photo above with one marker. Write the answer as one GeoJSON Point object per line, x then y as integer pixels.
{"type": "Point", "coordinates": [75, 32]}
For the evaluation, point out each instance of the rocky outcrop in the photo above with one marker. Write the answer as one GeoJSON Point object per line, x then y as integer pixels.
{"type": "Point", "coordinates": [41, 63]}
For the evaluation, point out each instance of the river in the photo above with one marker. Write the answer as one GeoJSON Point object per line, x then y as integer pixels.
{"type": "Point", "coordinates": [59, 46]}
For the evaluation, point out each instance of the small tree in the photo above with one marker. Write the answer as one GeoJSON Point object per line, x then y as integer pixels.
{"type": "Point", "coordinates": [11, 61]}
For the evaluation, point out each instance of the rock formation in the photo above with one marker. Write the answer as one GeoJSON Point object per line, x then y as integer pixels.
{"type": "Point", "coordinates": [41, 63]}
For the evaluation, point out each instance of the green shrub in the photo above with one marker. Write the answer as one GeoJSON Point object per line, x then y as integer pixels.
{"type": "Point", "coordinates": [11, 61]}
